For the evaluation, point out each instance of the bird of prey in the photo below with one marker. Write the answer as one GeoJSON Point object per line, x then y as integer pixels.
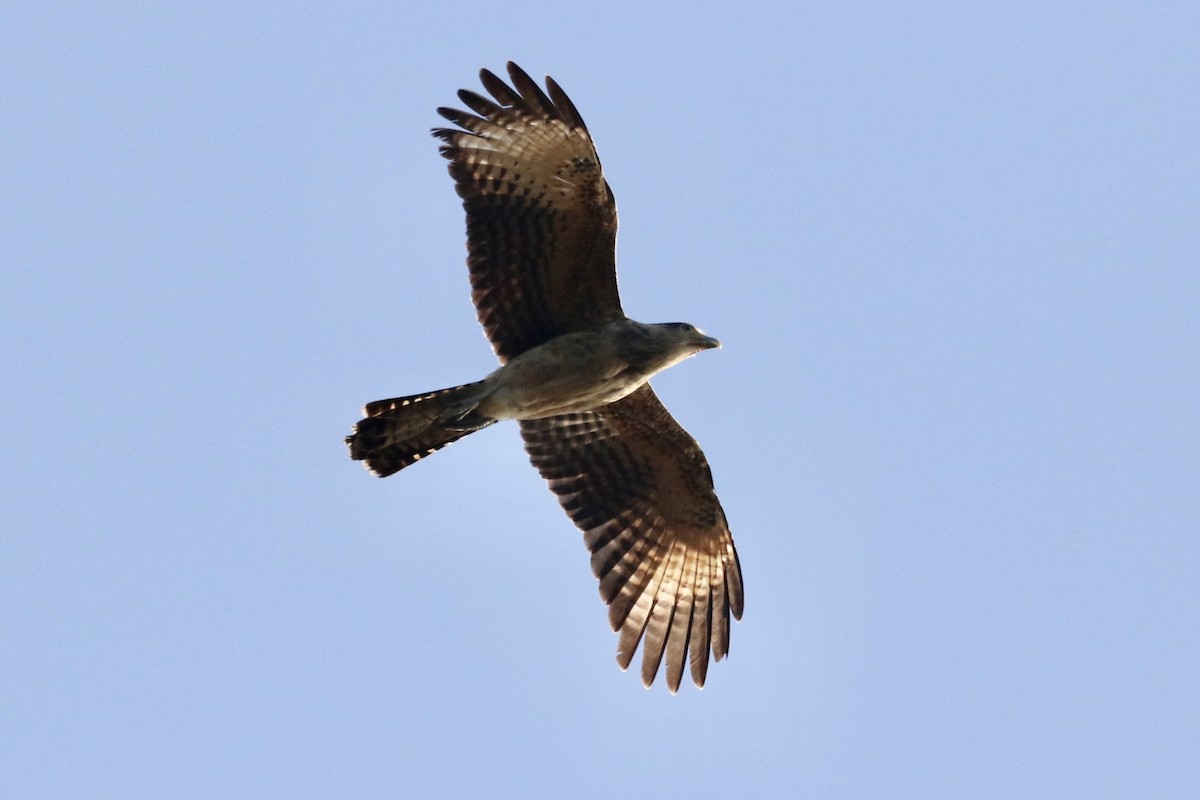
{"type": "Point", "coordinates": [541, 238]}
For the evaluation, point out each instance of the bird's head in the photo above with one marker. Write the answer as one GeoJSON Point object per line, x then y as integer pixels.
{"type": "Point", "coordinates": [688, 335]}
{"type": "Point", "coordinates": [648, 349]}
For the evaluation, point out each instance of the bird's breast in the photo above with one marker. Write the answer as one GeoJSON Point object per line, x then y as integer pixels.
{"type": "Point", "coordinates": [572, 373]}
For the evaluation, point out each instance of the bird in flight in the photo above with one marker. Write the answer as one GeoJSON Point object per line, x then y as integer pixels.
{"type": "Point", "coordinates": [574, 372]}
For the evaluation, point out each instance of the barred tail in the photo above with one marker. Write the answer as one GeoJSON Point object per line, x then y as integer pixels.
{"type": "Point", "coordinates": [403, 430]}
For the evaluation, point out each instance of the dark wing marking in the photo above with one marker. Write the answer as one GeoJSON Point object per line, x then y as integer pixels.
{"type": "Point", "coordinates": [541, 220]}
{"type": "Point", "coordinates": [640, 489]}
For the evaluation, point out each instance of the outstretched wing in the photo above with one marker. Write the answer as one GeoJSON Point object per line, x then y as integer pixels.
{"type": "Point", "coordinates": [541, 220]}
{"type": "Point", "coordinates": [640, 489]}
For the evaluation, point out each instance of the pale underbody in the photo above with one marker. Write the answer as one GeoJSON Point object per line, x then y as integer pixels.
{"type": "Point", "coordinates": [584, 370]}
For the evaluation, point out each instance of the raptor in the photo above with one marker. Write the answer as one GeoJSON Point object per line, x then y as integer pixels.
{"type": "Point", "coordinates": [574, 372]}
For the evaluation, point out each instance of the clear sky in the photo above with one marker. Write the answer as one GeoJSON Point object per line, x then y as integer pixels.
{"type": "Point", "coordinates": [953, 253]}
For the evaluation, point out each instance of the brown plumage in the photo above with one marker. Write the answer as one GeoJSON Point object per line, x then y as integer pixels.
{"type": "Point", "coordinates": [640, 489]}
{"type": "Point", "coordinates": [541, 235]}
{"type": "Point", "coordinates": [541, 220]}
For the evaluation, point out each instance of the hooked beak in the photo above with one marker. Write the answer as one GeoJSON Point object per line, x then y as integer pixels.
{"type": "Point", "coordinates": [707, 342]}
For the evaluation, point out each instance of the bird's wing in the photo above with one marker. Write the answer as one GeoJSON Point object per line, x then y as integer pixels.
{"type": "Point", "coordinates": [541, 220]}
{"type": "Point", "coordinates": [640, 489]}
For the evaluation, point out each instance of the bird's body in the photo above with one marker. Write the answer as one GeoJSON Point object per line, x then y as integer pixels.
{"type": "Point", "coordinates": [541, 226]}
{"type": "Point", "coordinates": [584, 370]}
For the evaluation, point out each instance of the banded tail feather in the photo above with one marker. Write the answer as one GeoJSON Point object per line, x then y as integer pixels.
{"type": "Point", "coordinates": [402, 430]}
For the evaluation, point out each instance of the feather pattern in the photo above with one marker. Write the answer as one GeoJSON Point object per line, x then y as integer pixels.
{"type": "Point", "coordinates": [400, 431]}
{"type": "Point", "coordinates": [639, 487]}
{"type": "Point", "coordinates": [541, 220]}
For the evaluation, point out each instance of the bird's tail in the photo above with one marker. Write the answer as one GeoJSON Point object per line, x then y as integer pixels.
{"type": "Point", "coordinates": [403, 430]}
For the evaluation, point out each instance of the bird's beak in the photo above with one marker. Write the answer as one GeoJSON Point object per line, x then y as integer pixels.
{"type": "Point", "coordinates": [707, 342]}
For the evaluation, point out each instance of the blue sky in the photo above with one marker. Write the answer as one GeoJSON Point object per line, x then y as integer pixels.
{"type": "Point", "coordinates": [952, 252]}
